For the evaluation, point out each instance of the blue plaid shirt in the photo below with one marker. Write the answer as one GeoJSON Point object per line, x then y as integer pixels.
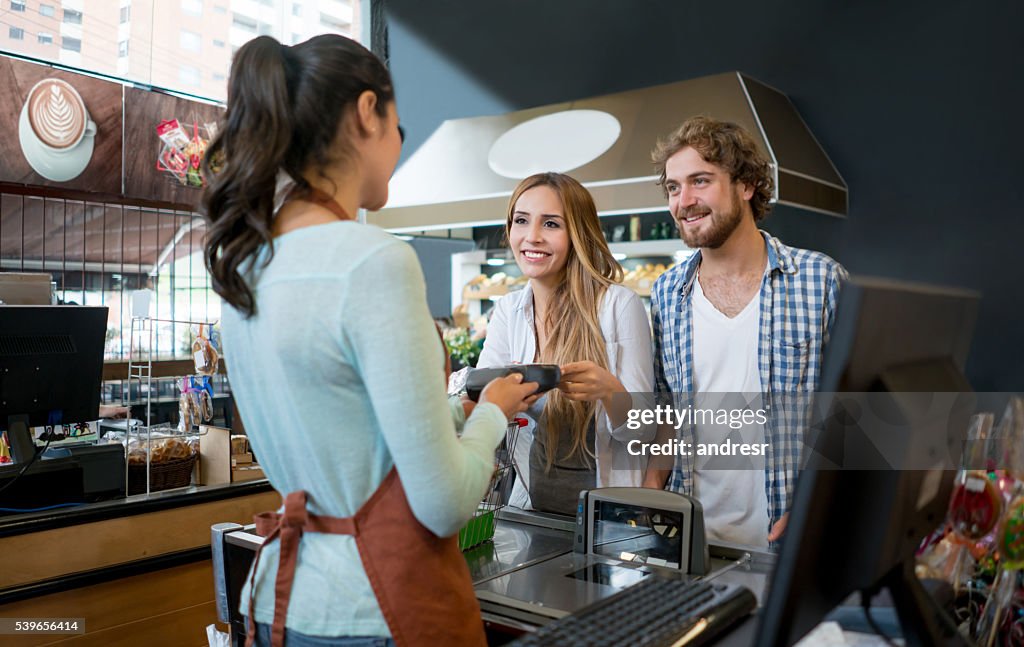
{"type": "Point", "coordinates": [798, 299]}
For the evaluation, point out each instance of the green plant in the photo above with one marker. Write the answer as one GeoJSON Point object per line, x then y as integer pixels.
{"type": "Point", "coordinates": [462, 347]}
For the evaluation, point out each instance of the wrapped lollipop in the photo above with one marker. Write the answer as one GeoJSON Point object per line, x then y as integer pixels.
{"type": "Point", "coordinates": [1011, 633]}
{"type": "Point", "coordinates": [974, 506]}
{"type": "Point", "coordinates": [998, 619]}
{"type": "Point", "coordinates": [1006, 442]}
{"type": "Point", "coordinates": [999, 610]}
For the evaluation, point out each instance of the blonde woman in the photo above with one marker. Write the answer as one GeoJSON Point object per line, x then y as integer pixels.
{"type": "Point", "coordinates": [572, 313]}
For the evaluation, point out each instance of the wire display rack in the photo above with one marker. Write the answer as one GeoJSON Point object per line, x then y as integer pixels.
{"type": "Point", "coordinates": [140, 372]}
{"type": "Point", "coordinates": [480, 527]}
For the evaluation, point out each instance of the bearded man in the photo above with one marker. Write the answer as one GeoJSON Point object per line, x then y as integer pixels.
{"type": "Point", "coordinates": [742, 322]}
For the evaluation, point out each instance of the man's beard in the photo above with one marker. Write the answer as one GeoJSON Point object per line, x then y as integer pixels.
{"type": "Point", "coordinates": [717, 231]}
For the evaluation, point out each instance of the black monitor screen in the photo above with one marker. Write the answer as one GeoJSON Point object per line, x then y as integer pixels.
{"type": "Point", "coordinates": [632, 533]}
{"type": "Point", "coordinates": [51, 363]}
{"type": "Point", "coordinates": [855, 528]}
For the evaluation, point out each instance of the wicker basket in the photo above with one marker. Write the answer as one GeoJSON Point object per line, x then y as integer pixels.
{"type": "Point", "coordinates": [162, 476]}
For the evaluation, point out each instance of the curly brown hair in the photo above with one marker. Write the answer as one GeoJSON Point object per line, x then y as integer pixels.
{"type": "Point", "coordinates": [724, 144]}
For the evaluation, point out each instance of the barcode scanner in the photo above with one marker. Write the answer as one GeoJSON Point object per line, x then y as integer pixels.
{"type": "Point", "coordinates": [547, 377]}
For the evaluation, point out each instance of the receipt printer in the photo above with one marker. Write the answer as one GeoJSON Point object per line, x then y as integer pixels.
{"type": "Point", "coordinates": [643, 526]}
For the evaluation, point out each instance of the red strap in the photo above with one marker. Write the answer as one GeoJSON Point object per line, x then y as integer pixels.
{"type": "Point", "coordinates": [287, 527]}
{"type": "Point", "coordinates": [321, 198]}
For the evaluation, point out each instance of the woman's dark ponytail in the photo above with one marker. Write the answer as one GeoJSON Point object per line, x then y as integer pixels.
{"type": "Point", "coordinates": [284, 108]}
{"type": "Point", "coordinates": [253, 142]}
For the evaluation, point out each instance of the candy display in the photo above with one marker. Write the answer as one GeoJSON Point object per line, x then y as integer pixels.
{"type": "Point", "coordinates": [975, 506]}
{"type": "Point", "coordinates": [1011, 535]}
{"type": "Point", "coordinates": [181, 154]}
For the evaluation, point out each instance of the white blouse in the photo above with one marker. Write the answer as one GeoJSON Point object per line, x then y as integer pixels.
{"type": "Point", "coordinates": [627, 334]}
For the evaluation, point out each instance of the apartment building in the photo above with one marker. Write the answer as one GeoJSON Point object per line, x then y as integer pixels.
{"type": "Point", "coordinates": [184, 45]}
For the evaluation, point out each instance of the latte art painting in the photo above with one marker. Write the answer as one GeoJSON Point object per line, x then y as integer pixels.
{"type": "Point", "coordinates": [56, 120]}
{"type": "Point", "coordinates": [55, 130]}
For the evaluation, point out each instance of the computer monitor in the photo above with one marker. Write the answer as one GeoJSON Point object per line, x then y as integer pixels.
{"type": "Point", "coordinates": [855, 524]}
{"type": "Point", "coordinates": [51, 366]}
{"type": "Point", "coordinates": [25, 288]}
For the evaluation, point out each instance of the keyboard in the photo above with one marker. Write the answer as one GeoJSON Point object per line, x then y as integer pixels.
{"type": "Point", "coordinates": [655, 612]}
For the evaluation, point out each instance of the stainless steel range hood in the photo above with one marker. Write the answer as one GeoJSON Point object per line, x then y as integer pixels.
{"type": "Point", "coordinates": [448, 181]}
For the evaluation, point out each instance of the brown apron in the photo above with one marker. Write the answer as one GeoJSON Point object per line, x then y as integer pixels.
{"type": "Point", "coordinates": [421, 581]}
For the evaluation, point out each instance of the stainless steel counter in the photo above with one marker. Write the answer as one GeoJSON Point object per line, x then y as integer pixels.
{"type": "Point", "coordinates": [516, 545]}
{"type": "Point", "coordinates": [529, 575]}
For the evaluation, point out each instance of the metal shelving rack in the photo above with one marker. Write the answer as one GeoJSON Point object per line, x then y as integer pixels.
{"type": "Point", "coordinates": [140, 367]}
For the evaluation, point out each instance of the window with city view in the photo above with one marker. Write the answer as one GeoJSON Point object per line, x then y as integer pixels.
{"type": "Point", "coordinates": [163, 42]}
{"type": "Point", "coordinates": [97, 253]}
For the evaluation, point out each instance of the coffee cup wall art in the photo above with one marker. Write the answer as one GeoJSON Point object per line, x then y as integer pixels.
{"type": "Point", "coordinates": [58, 128]}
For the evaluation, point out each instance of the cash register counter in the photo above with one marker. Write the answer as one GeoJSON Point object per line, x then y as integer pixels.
{"type": "Point", "coordinates": [513, 600]}
{"type": "Point", "coordinates": [508, 573]}
{"type": "Point", "coordinates": [137, 570]}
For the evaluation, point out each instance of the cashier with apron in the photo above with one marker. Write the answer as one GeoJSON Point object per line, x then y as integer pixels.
{"type": "Point", "coordinates": [335, 363]}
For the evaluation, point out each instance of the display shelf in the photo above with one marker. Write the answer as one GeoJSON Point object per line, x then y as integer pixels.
{"type": "Point", "coordinates": [140, 368]}
{"type": "Point", "coordinates": [469, 265]}
{"type": "Point", "coordinates": [650, 248]}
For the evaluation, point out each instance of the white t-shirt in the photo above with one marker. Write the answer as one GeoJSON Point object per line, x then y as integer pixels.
{"type": "Point", "coordinates": [731, 489]}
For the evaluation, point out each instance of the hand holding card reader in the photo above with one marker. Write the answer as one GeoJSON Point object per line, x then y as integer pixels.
{"type": "Point", "coordinates": [641, 525]}
{"type": "Point", "coordinates": [547, 377]}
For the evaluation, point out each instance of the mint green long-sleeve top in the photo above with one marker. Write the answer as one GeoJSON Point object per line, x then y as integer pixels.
{"type": "Point", "coordinates": [338, 377]}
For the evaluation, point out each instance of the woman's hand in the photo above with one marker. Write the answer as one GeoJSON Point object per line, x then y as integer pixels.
{"type": "Point", "coordinates": [588, 382]}
{"type": "Point", "coordinates": [510, 394]}
{"type": "Point", "coordinates": [467, 406]}
{"type": "Point", "coordinates": [113, 411]}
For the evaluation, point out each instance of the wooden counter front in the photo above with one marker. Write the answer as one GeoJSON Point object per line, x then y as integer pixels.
{"type": "Point", "coordinates": [141, 577]}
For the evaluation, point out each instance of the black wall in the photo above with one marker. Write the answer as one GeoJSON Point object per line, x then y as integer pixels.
{"type": "Point", "coordinates": [435, 255]}
{"type": "Point", "coordinates": [919, 104]}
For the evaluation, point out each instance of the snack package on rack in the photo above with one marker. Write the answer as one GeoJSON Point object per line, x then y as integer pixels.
{"type": "Point", "coordinates": [164, 448]}
{"type": "Point", "coordinates": [189, 413]}
{"type": "Point", "coordinates": [195, 406]}
{"type": "Point", "coordinates": [172, 157]}
{"type": "Point", "coordinates": [174, 162]}
{"type": "Point", "coordinates": [181, 155]}
{"type": "Point", "coordinates": [172, 134]}
{"type": "Point", "coordinates": [195, 150]}
{"type": "Point", "coordinates": [204, 351]}
{"type": "Point", "coordinates": [203, 388]}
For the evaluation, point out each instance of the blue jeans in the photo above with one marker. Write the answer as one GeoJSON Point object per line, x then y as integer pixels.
{"type": "Point", "coordinates": [295, 639]}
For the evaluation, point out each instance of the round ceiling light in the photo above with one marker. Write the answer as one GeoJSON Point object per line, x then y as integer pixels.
{"type": "Point", "coordinates": [559, 142]}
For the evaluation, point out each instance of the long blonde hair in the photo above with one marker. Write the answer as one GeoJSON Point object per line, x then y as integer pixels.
{"type": "Point", "coordinates": [574, 329]}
